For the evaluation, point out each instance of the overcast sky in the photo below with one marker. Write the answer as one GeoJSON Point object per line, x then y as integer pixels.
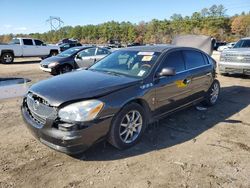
{"type": "Point", "coordinates": [26, 16]}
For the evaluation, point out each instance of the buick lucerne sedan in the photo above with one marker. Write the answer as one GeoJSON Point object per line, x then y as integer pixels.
{"type": "Point", "coordinates": [117, 97]}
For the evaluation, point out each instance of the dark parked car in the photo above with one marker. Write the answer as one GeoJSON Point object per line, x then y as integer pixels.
{"type": "Point", "coordinates": [63, 62]}
{"type": "Point", "coordinates": [218, 44]}
{"type": "Point", "coordinates": [134, 44]}
{"type": "Point", "coordinates": [118, 96]}
{"type": "Point", "coordinates": [66, 46]}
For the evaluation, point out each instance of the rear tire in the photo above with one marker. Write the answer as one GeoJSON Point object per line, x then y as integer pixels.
{"type": "Point", "coordinates": [128, 126]}
{"type": "Point", "coordinates": [53, 53]}
{"type": "Point", "coordinates": [212, 94]}
{"type": "Point", "coordinates": [7, 58]}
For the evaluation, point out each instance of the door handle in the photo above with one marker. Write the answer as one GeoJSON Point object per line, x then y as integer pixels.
{"type": "Point", "coordinates": [187, 81]}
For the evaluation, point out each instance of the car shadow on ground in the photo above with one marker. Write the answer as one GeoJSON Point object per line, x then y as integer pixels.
{"type": "Point", "coordinates": [242, 76]}
{"type": "Point", "coordinates": [24, 62]}
{"type": "Point", "coordinates": [180, 127]}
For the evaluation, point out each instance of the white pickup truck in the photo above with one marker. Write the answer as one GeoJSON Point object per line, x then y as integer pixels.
{"type": "Point", "coordinates": [26, 47]}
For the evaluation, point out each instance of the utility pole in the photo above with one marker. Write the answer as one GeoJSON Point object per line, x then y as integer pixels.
{"type": "Point", "coordinates": [55, 23]}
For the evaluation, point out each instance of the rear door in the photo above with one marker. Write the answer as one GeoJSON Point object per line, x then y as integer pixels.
{"type": "Point", "coordinates": [173, 91]}
{"type": "Point", "coordinates": [200, 70]}
{"type": "Point", "coordinates": [29, 48]}
{"type": "Point", "coordinates": [41, 48]}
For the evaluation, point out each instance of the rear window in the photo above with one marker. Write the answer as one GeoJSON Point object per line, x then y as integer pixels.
{"type": "Point", "coordinates": [38, 43]}
{"type": "Point", "coordinates": [101, 51]}
{"type": "Point", "coordinates": [193, 59]}
{"type": "Point", "coordinates": [27, 42]}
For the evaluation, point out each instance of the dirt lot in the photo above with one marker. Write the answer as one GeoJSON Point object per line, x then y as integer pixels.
{"type": "Point", "coordinates": [192, 148]}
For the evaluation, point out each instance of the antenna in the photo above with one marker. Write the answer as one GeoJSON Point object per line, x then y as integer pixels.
{"type": "Point", "coordinates": [55, 23]}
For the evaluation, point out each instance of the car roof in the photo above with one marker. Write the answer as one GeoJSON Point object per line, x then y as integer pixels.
{"type": "Point", "coordinates": [151, 48]}
{"type": "Point", "coordinates": [158, 48]}
{"type": "Point", "coordinates": [81, 47]}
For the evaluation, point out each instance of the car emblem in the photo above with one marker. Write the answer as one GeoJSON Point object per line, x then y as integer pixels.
{"type": "Point", "coordinates": [36, 104]}
{"type": "Point", "coordinates": [240, 57]}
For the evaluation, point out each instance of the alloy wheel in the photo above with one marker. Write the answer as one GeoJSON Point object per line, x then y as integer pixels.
{"type": "Point", "coordinates": [131, 126]}
{"type": "Point", "coordinates": [7, 58]}
{"type": "Point", "coordinates": [214, 93]}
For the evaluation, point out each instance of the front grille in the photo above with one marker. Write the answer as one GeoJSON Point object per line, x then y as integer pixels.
{"type": "Point", "coordinates": [38, 108]}
{"type": "Point", "coordinates": [237, 58]}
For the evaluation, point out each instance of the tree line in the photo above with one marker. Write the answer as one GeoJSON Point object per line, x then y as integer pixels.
{"type": "Point", "coordinates": [211, 21]}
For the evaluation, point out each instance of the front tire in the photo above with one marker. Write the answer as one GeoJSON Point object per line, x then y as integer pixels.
{"type": "Point", "coordinates": [213, 94]}
{"type": "Point", "coordinates": [65, 69]}
{"type": "Point", "coordinates": [128, 126]}
{"type": "Point", "coordinates": [7, 58]}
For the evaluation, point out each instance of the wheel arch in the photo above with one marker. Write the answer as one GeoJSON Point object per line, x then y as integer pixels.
{"type": "Point", "coordinates": [54, 50]}
{"type": "Point", "coordinates": [7, 51]}
{"type": "Point", "coordinates": [143, 103]}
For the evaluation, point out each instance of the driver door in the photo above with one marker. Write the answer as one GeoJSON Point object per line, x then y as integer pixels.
{"type": "Point", "coordinates": [86, 58]}
{"type": "Point", "coordinates": [172, 91]}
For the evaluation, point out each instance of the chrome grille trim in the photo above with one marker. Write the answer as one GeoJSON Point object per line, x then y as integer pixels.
{"type": "Point", "coordinates": [38, 108]}
{"type": "Point", "coordinates": [239, 58]}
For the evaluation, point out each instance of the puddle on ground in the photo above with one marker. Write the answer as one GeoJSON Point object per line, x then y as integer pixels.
{"type": "Point", "coordinates": [13, 87]}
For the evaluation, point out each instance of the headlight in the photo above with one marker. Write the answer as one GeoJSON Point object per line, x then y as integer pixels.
{"type": "Point", "coordinates": [222, 57]}
{"type": "Point", "coordinates": [53, 64]}
{"type": "Point", "coordinates": [81, 111]}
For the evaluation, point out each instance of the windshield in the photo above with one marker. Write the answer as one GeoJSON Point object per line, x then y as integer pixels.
{"type": "Point", "coordinates": [129, 63]}
{"type": "Point", "coordinates": [14, 41]}
{"type": "Point", "coordinates": [242, 44]}
{"type": "Point", "coordinates": [69, 52]}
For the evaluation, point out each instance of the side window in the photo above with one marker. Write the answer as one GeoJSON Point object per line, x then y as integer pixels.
{"type": "Point", "coordinates": [205, 59]}
{"type": "Point", "coordinates": [66, 46]}
{"type": "Point", "coordinates": [88, 52]}
{"type": "Point", "coordinates": [193, 59]}
{"type": "Point", "coordinates": [174, 60]}
{"type": "Point", "coordinates": [27, 42]}
{"type": "Point", "coordinates": [38, 43]}
{"type": "Point", "coordinates": [101, 51]}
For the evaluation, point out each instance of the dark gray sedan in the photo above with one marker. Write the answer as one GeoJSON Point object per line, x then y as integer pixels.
{"type": "Point", "coordinates": [118, 96]}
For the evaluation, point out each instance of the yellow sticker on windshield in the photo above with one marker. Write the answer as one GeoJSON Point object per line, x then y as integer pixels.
{"type": "Point", "coordinates": [147, 58]}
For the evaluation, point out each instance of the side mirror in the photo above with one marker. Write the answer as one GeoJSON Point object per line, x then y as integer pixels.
{"type": "Point", "coordinates": [167, 72]}
{"type": "Point", "coordinates": [78, 56]}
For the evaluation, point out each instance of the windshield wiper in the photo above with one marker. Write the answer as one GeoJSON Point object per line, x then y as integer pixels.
{"type": "Point", "coordinates": [106, 71]}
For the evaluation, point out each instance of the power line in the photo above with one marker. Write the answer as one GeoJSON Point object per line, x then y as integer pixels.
{"type": "Point", "coordinates": [55, 23]}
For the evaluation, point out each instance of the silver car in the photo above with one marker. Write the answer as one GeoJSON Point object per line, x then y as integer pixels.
{"type": "Point", "coordinates": [88, 57]}
{"type": "Point", "coordinates": [237, 59]}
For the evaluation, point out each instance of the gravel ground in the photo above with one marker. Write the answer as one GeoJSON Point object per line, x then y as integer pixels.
{"type": "Point", "coordinates": [191, 148]}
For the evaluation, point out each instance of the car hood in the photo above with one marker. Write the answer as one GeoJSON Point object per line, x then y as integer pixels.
{"type": "Point", "coordinates": [201, 42]}
{"type": "Point", "coordinates": [55, 59]}
{"type": "Point", "coordinates": [84, 84]}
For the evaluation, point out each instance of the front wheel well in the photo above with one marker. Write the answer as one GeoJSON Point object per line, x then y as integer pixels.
{"type": "Point", "coordinates": [54, 50]}
{"type": "Point", "coordinates": [7, 51]}
{"type": "Point", "coordinates": [144, 105]}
